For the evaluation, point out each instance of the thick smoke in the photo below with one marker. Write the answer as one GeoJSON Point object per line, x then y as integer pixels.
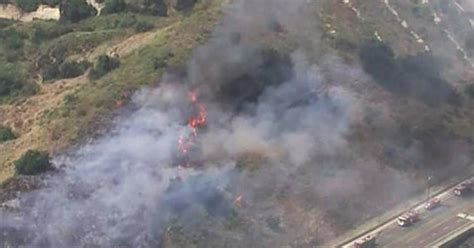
{"type": "Point", "coordinates": [292, 121]}
{"type": "Point", "coordinates": [116, 191]}
{"type": "Point", "coordinates": [278, 134]}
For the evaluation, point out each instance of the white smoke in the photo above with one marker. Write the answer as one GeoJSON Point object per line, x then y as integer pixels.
{"type": "Point", "coordinates": [125, 188]}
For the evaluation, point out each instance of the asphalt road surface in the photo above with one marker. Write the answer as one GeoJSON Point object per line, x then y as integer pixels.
{"type": "Point", "coordinates": [433, 225]}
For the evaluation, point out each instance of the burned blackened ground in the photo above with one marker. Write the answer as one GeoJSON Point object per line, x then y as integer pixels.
{"type": "Point", "coordinates": [435, 149]}
{"type": "Point", "coordinates": [418, 76]}
{"type": "Point", "coordinates": [292, 150]}
{"type": "Point", "coordinates": [284, 169]}
{"type": "Point", "coordinates": [272, 69]}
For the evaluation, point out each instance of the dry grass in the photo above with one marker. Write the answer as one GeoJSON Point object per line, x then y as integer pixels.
{"type": "Point", "coordinates": [67, 111]}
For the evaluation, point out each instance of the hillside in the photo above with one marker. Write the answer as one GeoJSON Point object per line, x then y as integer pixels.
{"type": "Point", "coordinates": [211, 123]}
{"type": "Point", "coordinates": [52, 109]}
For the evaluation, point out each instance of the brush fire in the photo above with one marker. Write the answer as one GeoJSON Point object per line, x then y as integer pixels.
{"type": "Point", "coordinates": [198, 120]}
{"type": "Point", "coordinates": [248, 146]}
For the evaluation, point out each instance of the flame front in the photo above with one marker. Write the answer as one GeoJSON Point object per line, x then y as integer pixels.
{"type": "Point", "coordinates": [185, 141]}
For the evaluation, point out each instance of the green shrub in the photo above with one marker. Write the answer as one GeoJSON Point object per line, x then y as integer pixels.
{"type": "Point", "coordinates": [33, 162]}
{"type": "Point", "coordinates": [185, 4]}
{"type": "Point", "coordinates": [14, 82]}
{"type": "Point", "coordinates": [155, 7]}
{"type": "Point", "coordinates": [32, 5]}
{"type": "Point", "coordinates": [114, 6]}
{"type": "Point", "coordinates": [51, 72]}
{"type": "Point", "coordinates": [143, 26]}
{"type": "Point", "coordinates": [72, 69]}
{"type": "Point", "coordinates": [159, 62]}
{"type": "Point", "coordinates": [29, 89]}
{"type": "Point", "coordinates": [125, 21]}
{"type": "Point", "coordinates": [104, 64]}
{"type": "Point", "coordinates": [5, 22]}
{"type": "Point", "coordinates": [51, 3]}
{"type": "Point", "coordinates": [14, 42]}
{"type": "Point", "coordinates": [9, 80]}
{"type": "Point", "coordinates": [28, 5]}
{"type": "Point", "coordinates": [49, 31]}
{"type": "Point", "coordinates": [6, 134]}
{"type": "Point", "coordinates": [70, 99]}
{"type": "Point", "coordinates": [76, 10]}
{"type": "Point", "coordinates": [12, 38]}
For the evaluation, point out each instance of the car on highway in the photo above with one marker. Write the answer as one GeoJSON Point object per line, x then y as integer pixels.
{"type": "Point", "coordinates": [432, 204]}
{"type": "Point", "coordinates": [366, 242]}
{"type": "Point", "coordinates": [464, 188]}
{"type": "Point", "coordinates": [408, 218]}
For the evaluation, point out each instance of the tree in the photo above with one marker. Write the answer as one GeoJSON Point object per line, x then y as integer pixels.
{"type": "Point", "coordinates": [51, 2]}
{"type": "Point", "coordinates": [185, 4]}
{"type": "Point", "coordinates": [72, 69]}
{"type": "Point", "coordinates": [6, 22]}
{"type": "Point", "coordinates": [14, 42]}
{"type": "Point", "coordinates": [28, 5]}
{"type": "Point", "coordinates": [76, 10]}
{"type": "Point", "coordinates": [114, 6]}
{"type": "Point", "coordinates": [9, 80]}
{"type": "Point", "coordinates": [156, 7]}
{"type": "Point", "coordinates": [41, 31]}
{"type": "Point", "coordinates": [6, 134]}
{"type": "Point", "coordinates": [33, 162]}
{"type": "Point", "coordinates": [104, 64]}
{"type": "Point", "coordinates": [144, 26]}
{"type": "Point", "coordinates": [12, 38]}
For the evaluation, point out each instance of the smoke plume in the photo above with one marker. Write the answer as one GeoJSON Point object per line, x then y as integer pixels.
{"type": "Point", "coordinates": [273, 165]}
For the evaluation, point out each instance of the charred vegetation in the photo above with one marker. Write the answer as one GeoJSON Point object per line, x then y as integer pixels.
{"type": "Point", "coordinates": [419, 76]}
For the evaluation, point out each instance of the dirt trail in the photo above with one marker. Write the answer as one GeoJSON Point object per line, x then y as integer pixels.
{"type": "Point", "coordinates": [10, 11]}
{"type": "Point", "coordinates": [25, 117]}
{"type": "Point", "coordinates": [128, 45]}
{"type": "Point", "coordinates": [132, 43]}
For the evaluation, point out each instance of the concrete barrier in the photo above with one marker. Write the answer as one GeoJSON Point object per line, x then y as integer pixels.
{"type": "Point", "coordinates": [453, 240]}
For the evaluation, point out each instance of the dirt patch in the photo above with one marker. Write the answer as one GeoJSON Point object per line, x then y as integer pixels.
{"type": "Point", "coordinates": [125, 47]}
{"type": "Point", "coordinates": [96, 5]}
{"type": "Point", "coordinates": [44, 12]}
{"type": "Point", "coordinates": [25, 119]}
{"type": "Point", "coordinates": [10, 11]}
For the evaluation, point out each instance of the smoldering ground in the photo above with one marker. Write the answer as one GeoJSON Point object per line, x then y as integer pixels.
{"type": "Point", "coordinates": [126, 189]}
{"type": "Point", "coordinates": [277, 137]}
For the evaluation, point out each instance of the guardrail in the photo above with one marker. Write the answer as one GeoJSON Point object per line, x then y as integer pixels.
{"type": "Point", "coordinates": [454, 238]}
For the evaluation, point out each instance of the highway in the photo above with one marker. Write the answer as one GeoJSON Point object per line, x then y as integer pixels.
{"type": "Point", "coordinates": [433, 226]}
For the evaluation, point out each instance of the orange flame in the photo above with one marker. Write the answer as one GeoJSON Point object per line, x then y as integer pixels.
{"type": "Point", "coordinates": [192, 96]}
{"type": "Point", "coordinates": [194, 122]}
{"type": "Point", "coordinates": [119, 103]}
